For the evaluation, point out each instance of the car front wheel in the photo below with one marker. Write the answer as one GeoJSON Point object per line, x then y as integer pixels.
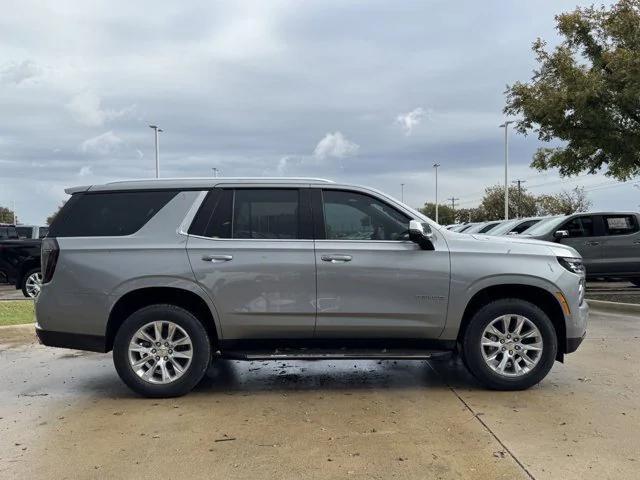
{"type": "Point", "coordinates": [161, 351]}
{"type": "Point", "coordinates": [510, 344]}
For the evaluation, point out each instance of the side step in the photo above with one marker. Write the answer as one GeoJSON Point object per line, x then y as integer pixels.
{"type": "Point", "coordinates": [337, 354]}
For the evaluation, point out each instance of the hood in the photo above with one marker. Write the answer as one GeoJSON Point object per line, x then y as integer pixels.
{"type": "Point", "coordinates": [511, 243]}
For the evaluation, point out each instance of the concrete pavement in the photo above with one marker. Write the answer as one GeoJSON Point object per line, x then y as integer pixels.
{"type": "Point", "coordinates": [65, 414]}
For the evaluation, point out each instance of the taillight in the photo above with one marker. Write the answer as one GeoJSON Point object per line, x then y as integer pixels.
{"type": "Point", "coordinates": [48, 258]}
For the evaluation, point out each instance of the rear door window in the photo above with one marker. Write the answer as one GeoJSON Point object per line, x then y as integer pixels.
{"type": "Point", "coordinates": [107, 214]}
{"type": "Point", "coordinates": [620, 224]}
{"type": "Point", "coordinates": [266, 214]}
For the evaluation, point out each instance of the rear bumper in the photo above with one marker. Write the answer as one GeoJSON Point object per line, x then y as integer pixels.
{"type": "Point", "coordinates": [91, 343]}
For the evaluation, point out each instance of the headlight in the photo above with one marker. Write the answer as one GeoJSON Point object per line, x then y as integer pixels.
{"type": "Point", "coordinates": [574, 265]}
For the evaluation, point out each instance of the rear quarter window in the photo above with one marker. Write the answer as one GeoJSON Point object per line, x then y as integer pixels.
{"type": "Point", "coordinates": [108, 214]}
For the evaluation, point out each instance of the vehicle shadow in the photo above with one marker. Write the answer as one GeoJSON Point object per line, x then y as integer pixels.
{"type": "Point", "coordinates": [268, 376]}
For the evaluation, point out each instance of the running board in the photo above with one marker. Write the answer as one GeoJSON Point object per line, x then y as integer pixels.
{"type": "Point", "coordinates": [327, 354]}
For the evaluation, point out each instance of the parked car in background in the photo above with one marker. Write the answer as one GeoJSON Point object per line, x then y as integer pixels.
{"type": "Point", "coordinates": [516, 226]}
{"type": "Point", "coordinates": [609, 242]}
{"type": "Point", "coordinates": [483, 227]}
{"type": "Point", "coordinates": [31, 231]}
{"type": "Point", "coordinates": [20, 265]}
{"type": "Point", "coordinates": [8, 232]}
{"type": "Point", "coordinates": [170, 273]}
{"type": "Point", "coordinates": [463, 227]}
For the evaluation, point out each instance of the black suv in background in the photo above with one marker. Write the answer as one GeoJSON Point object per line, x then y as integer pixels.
{"type": "Point", "coordinates": [609, 242]}
{"type": "Point", "coordinates": [20, 261]}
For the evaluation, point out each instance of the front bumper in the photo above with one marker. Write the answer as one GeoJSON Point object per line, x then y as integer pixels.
{"type": "Point", "coordinates": [91, 343]}
{"type": "Point", "coordinates": [574, 343]}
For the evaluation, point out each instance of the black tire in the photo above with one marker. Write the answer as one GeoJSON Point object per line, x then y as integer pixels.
{"type": "Point", "coordinates": [472, 350]}
{"type": "Point", "coordinates": [199, 362]}
{"type": "Point", "coordinates": [25, 277]}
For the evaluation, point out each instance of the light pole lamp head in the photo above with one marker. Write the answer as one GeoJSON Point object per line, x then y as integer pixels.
{"type": "Point", "coordinates": [506, 123]}
{"type": "Point", "coordinates": [436, 165]}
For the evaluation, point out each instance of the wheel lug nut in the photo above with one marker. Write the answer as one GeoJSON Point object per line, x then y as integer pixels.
{"type": "Point", "coordinates": [157, 357]}
{"type": "Point", "coordinates": [503, 349]}
{"type": "Point", "coordinates": [166, 344]}
{"type": "Point", "coordinates": [170, 351]}
{"type": "Point", "coordinates": [510, 352]}
{"type": "Point", "coordinates": [153, 350]}
{"type": "Point", "coordinates": [166, 358]}
{"type": "Point", "coordinates": [501, 341]}
{"type": "Point", "coordinates": [508, 336]}
{"type": "Point", "coordinates": [157, 344]}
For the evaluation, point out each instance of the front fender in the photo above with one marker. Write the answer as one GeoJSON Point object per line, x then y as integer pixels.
{"type": "Point", "coordinates": [462, 292]}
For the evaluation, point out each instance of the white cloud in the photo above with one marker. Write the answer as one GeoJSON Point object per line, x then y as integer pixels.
{"type": "Point", "coordinates": [19, 72]}
{"type": "Point", "coordinates": [408, 121]}
{"type": "Point", "coordinates": [86, 108]}
{"type": "Point", "coordinates": [103, 144]}
{"type": "Point", "coordinates": [335, 145]}
{"type": "Point", "coordinates": [85, 171]}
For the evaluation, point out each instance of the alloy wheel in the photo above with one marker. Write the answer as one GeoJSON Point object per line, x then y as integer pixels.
{"type": "Point", "coordinates": [160, 352]}
{"type": "Point", "coordinates": [511, 345]}
{"type": "Point", "coordinates": [33, 284]}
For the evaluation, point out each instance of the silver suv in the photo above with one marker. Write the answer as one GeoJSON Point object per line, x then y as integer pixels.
{"type": "Point", "coordinates": [170, 274]}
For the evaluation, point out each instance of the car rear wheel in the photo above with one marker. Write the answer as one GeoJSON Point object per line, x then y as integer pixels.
{"type": "Point", "coordinates": [161, 351]}
{"type": "Point", "coordinates": [32, 283]}
{"type": "Point", "coordinates": [510, 344]}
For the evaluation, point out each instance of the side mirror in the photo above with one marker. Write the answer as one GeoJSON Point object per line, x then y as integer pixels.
{"type": "Point", "coordinates": [421, 234]}
{"type": "Point", "coordinates": [560, 234]}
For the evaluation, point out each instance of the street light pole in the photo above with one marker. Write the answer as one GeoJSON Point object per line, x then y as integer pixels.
{"type": "Point", "coordinates": [157, 130]}
{"type": "Point", "coordinates": [402, 192]}
{"type": "Point", "coordinates": [505, 125]}
{"type": "Point", "coordinates": [436, 165]}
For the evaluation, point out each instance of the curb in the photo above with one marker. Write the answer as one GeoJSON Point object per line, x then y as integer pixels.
{"type": "Point", "coordinates": [619, 307]}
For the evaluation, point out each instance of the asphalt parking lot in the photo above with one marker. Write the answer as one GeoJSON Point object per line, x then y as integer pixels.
{"type": "Point", "coordinates": [65, 414]}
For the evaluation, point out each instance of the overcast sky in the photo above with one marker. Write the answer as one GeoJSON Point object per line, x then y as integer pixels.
{"type": "Point", "coordinates": [369, 92]}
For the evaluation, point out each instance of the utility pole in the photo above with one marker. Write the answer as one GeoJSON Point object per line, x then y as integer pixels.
{"type": "Point", "coordinates": [14, 212]}
{"type": "Point", "coordinates": [157, 130]}
{"type": "Point", "coordinates": [402, 192]}
{"type": "Point", "coordinates": [436, 165]}
{"type": "Point", "coordinates": [453, 201]}
{"type": "Point", "coordinates": [519, 183]}
{"type": "Point", "coordinates": [505, 125]}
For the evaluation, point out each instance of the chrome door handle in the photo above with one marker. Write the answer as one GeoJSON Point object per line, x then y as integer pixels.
{"type": "Point", "coordinates": [336, 258]}
{"type": "Point", "coordinates": [217, 258]}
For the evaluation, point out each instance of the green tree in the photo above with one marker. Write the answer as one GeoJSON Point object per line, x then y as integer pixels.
{"type": "Point", "coordinates": [52, 217]}
{"type": "Point", "coordinates": [446, 214]}
{"type": "Point", "coordinates": [586, 93]}
{"type": "Point", "coordinates": [519, 201]}
{"type": "Point", "coordinates": [564, 203]}
{"type": "Point", "coordinates": [6, 215]}
{"type": "Point", "coordinates": [469, 215]}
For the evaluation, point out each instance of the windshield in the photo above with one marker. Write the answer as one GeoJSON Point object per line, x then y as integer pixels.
{"type": "Point", "coordinates": [544, 226]}
{"type": "Point", "coordinates": [504, 227]}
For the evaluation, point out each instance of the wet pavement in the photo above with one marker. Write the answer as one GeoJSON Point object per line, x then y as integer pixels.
{"type": "Point", "coordinates": [65, 414]}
